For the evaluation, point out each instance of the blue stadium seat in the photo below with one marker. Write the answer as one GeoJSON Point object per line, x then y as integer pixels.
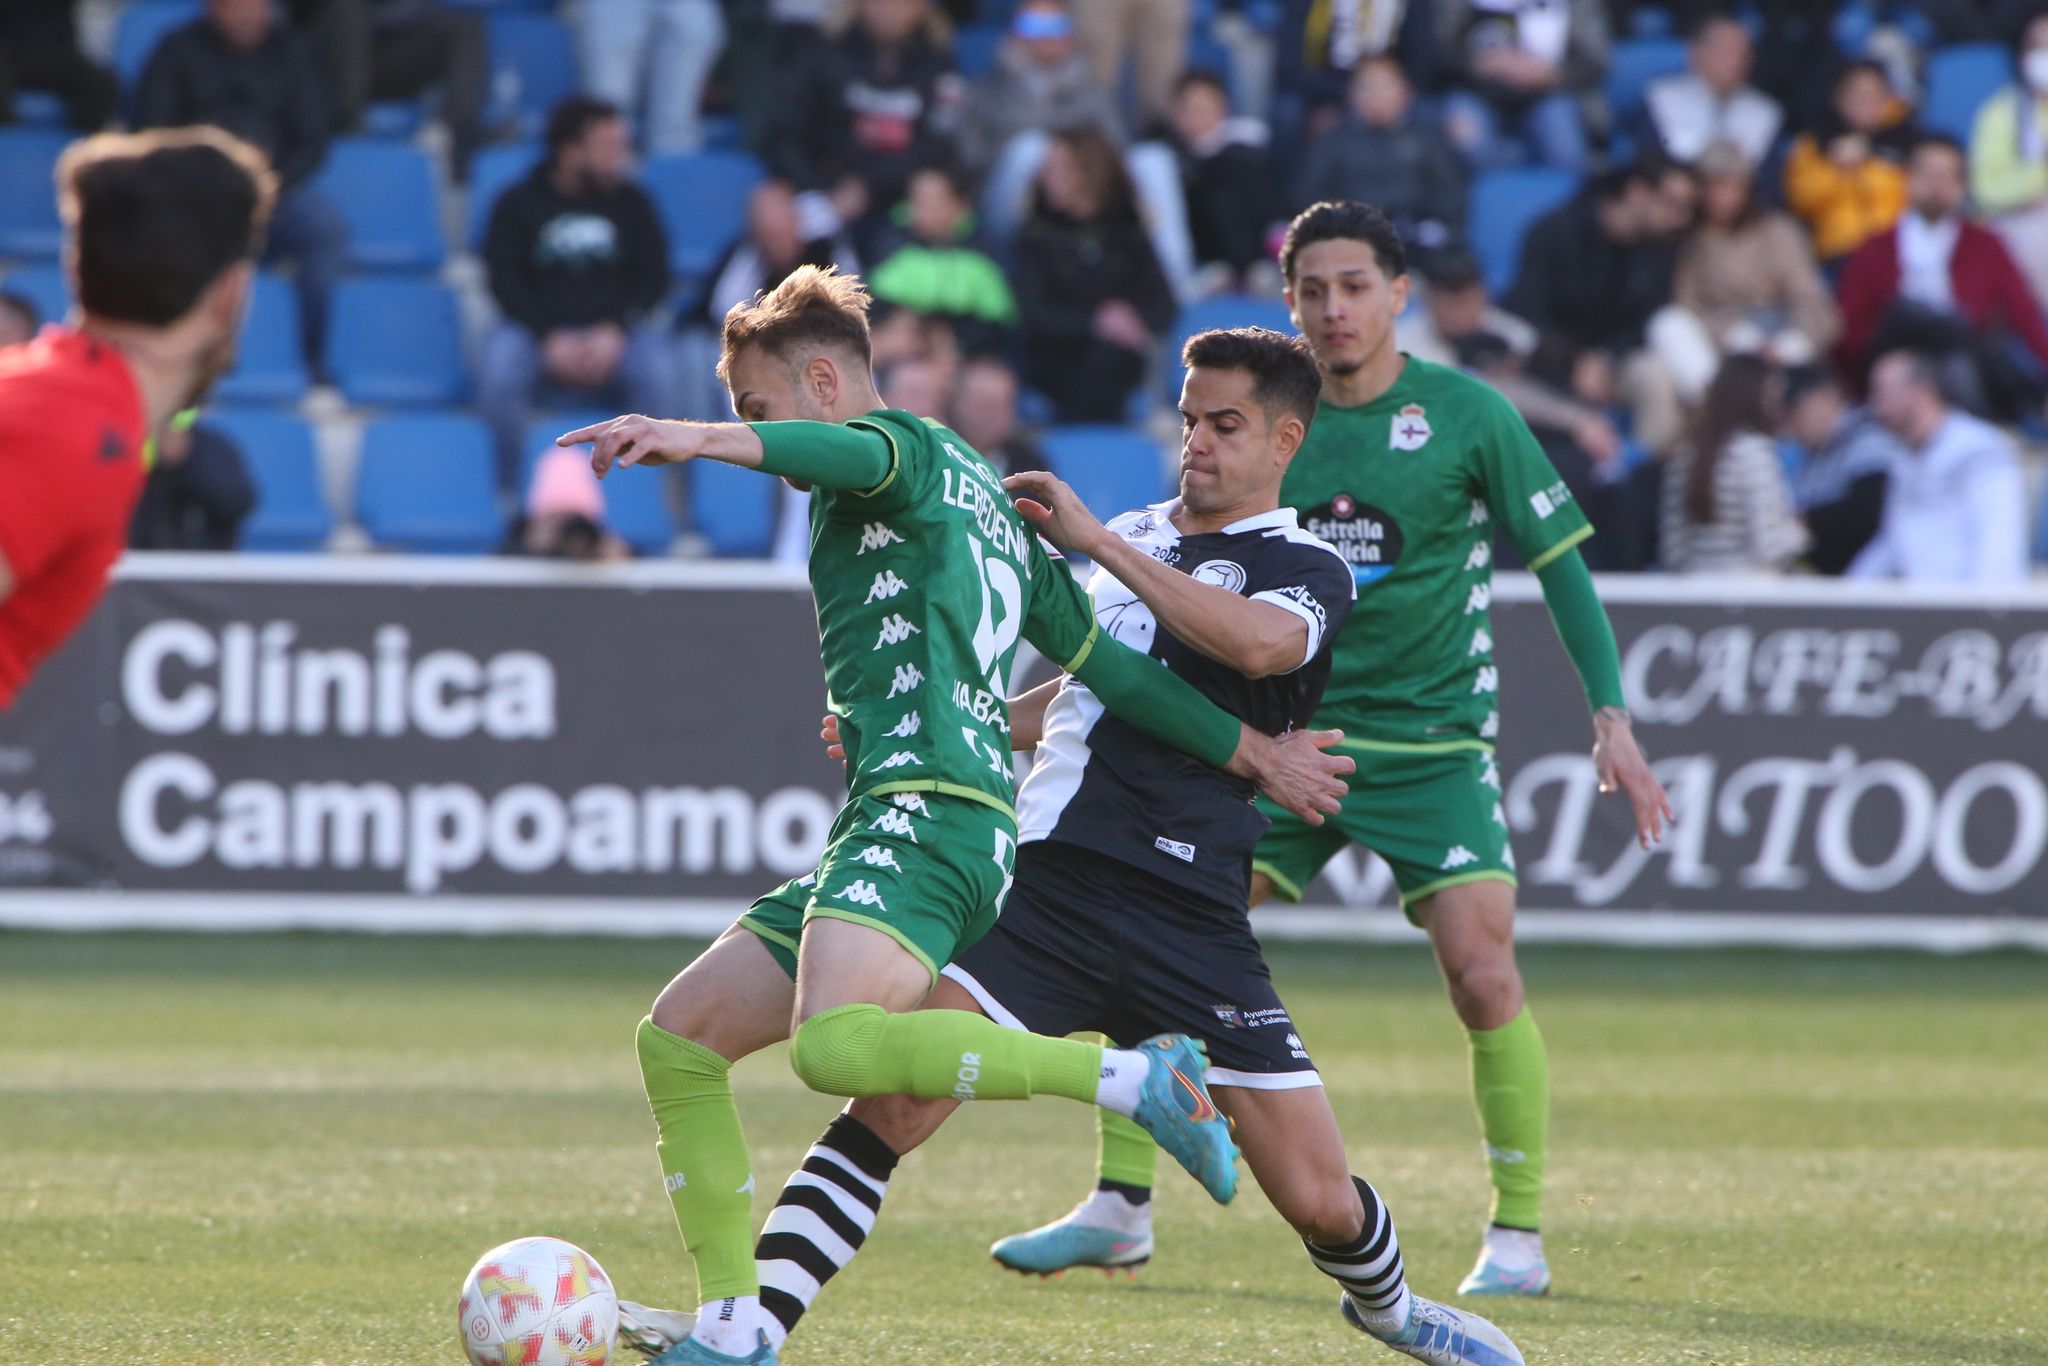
{"type": "Point", "coordinates": [636, 505]}
{"type": "Point", "coordinates": [1504, 204]}
{"type": "Point", "coordinates": [542, 431]}
{"type": "Point", "coordinates": [140, 29]}
{"type": "Point", "coordinates": [290, 512]}
{"type": "Point", "coordinates": [428, 482]}
{"type": "Point", "coordinates": [702, 198]}
{"type": "Point", "coordinates": [1959, 80]}
{"type": "Point", "coordinates": [636, 501]}
{"type": "Point", "coordinates": [1224, 310]}
{"type": "Point", "coordinates": [386, 191]}
{"type": "Point", "coordinates": [1635, 63]}
{"type": "Point", "coordinates": [43, 286]}
{"type": "Point", "coordinates": [39, 108]}
{"type": "Point", "coordinates": [269, 367]}
{"type": "Point", "coordinates": [1113, 469]}
{"type": "Point", "coordinates": [533, 66]}
{"type": "Point", "coordinates": [733, 509]}
{"type": "Point", "coordinates": [29, 229]}
{"type": "Point", "coordinates": [495, 170]}
{"type": "Point", "coordinates": [397, 340]}
{"type": "Point", "coordinates": [394, 118]}
{"type": "Point", "coordinates": [976, 48]}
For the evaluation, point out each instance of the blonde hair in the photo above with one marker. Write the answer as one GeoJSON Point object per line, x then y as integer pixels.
{"type": "Point", "coordinates": [814, 309]}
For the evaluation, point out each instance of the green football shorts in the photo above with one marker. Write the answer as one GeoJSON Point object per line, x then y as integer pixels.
{"type": "Point", "coordinates": [928, 871]}
{"type": "Point", "coordinates": [1433, 814]}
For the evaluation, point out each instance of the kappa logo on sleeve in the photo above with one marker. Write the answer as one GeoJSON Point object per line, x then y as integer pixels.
{"type": "Point", "coordinates": [1298, 593]}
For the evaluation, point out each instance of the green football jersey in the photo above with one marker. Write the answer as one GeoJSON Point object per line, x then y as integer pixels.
{"type": "Point", "coordinates": [1410, 487]}
{"type": "Point", "coordinates": [924, 584]}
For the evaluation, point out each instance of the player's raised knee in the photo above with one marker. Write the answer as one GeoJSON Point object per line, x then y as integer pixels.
{"type": "Point", "coordinates": [834, 1050]}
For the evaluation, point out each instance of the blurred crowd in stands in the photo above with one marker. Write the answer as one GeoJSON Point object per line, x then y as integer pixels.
{"type": "Point", "coordinates": [1767, 281]}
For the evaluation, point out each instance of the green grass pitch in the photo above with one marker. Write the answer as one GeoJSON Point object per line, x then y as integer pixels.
{"type": "Point", "coordinates": [288, 1149]}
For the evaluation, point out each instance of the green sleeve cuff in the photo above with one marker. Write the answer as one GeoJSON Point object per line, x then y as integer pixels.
{"type": "Point", "coordinates": [825, 454]}
{"type": "Point", "coordinates": [1583, 627]}
{"type": "Point", "coordinates": [1159, 702]}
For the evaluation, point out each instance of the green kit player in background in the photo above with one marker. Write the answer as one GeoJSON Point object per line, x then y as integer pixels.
{"type": "Point", "coordinates": [1409, 469]}
{"type": "Point", "coordinates": [925, 576]}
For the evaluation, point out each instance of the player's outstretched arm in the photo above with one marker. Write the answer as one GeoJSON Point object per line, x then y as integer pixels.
{"type": "Point", "coordinates": [821, 453]}
{"type": "Point", "coordinates": [1027, 715]}
{"type": "Point", "coordinates": [1588, 638]}
{"type": "Point", "coordinates": [1254, 638]}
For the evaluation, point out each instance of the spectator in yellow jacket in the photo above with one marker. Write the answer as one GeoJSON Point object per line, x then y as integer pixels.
{"type": "Point", "coordinates": [1846, 180]}
{"type": "Point", "coordinates": [2009, 159]}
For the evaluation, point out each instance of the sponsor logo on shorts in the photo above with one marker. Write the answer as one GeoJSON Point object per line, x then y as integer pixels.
{"type": "Point", "coordinates": [1184, 852]}
{"type": "Point", "coordinates": [1230, 1016]}
{"type": "Point", "coordinates": [1459, 857]}
{"type": "Point", "coordinates": [1294, 1047]}
{"type": "Point", "coordinates": [1266, 1018]}
{"type": "Point", "coordinates": [911, 801]}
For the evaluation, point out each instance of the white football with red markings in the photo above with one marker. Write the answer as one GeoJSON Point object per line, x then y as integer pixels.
{"type": "Point", "coordinates": [537, 1302]}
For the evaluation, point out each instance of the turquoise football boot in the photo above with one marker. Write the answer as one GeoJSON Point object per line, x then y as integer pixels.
{"type": "Point", "coordinates": [1174, 1107]}
{"type": "Point", "coordinates": [1072, 1242]}
{"type": "Point", "coordinates": [690, 1352]}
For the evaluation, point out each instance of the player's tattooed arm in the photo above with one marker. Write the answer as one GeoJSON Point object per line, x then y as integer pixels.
{"type": "Point", "coordinates": [1254, 638]}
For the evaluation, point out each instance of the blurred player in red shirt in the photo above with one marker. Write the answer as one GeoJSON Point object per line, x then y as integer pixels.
{"type": "Point", "coordinates": [162, 231]}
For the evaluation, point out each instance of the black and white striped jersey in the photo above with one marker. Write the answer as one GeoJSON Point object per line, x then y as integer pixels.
{"type": "Point", "coordinates": [1101, 783]}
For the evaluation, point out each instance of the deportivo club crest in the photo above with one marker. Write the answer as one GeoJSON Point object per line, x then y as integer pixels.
{"type": "Point", "coordinates": [1410, 430]}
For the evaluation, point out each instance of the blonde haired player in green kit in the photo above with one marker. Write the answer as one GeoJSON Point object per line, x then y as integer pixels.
{"type": "Point", "coordinates": [926, 576]}
{"type": "Point", "coordinates": [1409, 469]}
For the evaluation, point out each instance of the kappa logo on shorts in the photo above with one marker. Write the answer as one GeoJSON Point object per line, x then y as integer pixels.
{"type": "Point", "coordinates": [875, 856]}
{"type": "Point", "coordinates": [894, 823]}
{"type": "Point", "coordinates": [860, 893]}
{"type": "Point", "coordinates": [1459, 857]}
{"type": "Point", "coordinates": [911, 801]}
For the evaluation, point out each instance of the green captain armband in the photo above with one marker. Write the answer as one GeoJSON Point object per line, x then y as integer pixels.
{"type": "Point", "coordinates": [1159, 702]}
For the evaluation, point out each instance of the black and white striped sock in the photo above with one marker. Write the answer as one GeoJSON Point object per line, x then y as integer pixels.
{"type": "Point", "coordinates": [820, 1220]}
{"type": "Point", "coordinates": [1369, 1266]}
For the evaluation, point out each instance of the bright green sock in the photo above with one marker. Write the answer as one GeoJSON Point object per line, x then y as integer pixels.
{"type": "Point", "coordinates": [1511, 1085]}
{"type": "Point", "coordinates": [863, 1050]}
{"type": "Point", "coordinates": [1129, 1156]}
{"type": "Point", "coordinates": [703, 1159]}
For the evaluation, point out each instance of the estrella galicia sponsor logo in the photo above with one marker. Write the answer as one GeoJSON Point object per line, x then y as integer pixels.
{"type": "Point", "coordinates": [1368, 538]}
